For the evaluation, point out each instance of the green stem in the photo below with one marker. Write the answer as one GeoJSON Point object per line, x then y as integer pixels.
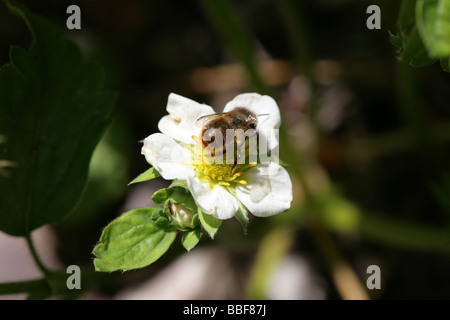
{"type": "Point", "coordinates": [401, 234]}
{"type": "Point", "coordinates": [30, 286]}
{"type": "Point", "coordinates": [344, 277]}
{"type": "Point", "coordinates": [292, 18]}
{"type": "Point", "coordinates": [232, 30]}
{"type": "Point", "coordinates": [273, 248]}
{"type": "Point", "coordinates": [35, 255]}
{"type": "Point", "coordinates": [411, 103]}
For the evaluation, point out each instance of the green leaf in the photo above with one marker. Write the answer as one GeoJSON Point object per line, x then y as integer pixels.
{"type": "Point", "coordinates": [414, 51]}
{"type": "Point", "coordinates": [132, 241]}
{"type": "Point", "coordinates": [209, 223]}
{"type": "Point", "coordinates": [395, 39]}
{"type": "Point", "coordinates": [150, 174]}
{"type": "Point", "coordinates": [53, 112]}
{"type": "Point", "coordinates": [433, 22]}
{"type": "Point", "coordinates": [411, 48]}
{"type": "Point", "coordinates": [191, 238]}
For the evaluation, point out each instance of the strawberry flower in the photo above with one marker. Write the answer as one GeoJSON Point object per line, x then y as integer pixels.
{"type": "Point", "coordinates": [263, 188]}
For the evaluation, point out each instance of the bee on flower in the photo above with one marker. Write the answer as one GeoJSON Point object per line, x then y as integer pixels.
{"type": "Point", "coordinates": [229, 161]}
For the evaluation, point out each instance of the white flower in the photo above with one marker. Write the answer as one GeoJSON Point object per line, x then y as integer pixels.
{"type": "Point", "coordinates": [264, 189]}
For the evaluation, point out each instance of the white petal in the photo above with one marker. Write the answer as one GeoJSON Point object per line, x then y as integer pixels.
{"type": "Point", "coordinates": [183, 112]}
{"type": "Point", "coordinates": [170, 159]}
{"type": "Point", "coordinates": [259, 105]}
{"type": "Point", "coordinates": [266, 110]}
{"type": "Point", "coordinates": [216, 201]}
{"type": "Point", "coordinates": [268, 192]}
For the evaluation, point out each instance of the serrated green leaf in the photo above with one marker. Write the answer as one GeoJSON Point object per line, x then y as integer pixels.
{"type": "Point", "coordinates": [161, 196]}
{"type": "Point", "coordinates": [433, 22]}
{"type": "Point", "coordinates": [414, 51]}
{"type": "Point", "coordinates": [53, 112]}
{"type": "Point", "coordinates": [150, 174]}
{"type": "Point", "coordinates": [395, 39]}
{"type": "Point", "coordinates": [132, 241]}
{"type": "Point", "coordinates": [190, 238]}
{"type": "Point", "coordinates": [209, 223]}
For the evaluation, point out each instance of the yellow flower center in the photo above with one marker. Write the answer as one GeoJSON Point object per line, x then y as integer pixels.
{"type": "Point", "coordinates": [217, 173]}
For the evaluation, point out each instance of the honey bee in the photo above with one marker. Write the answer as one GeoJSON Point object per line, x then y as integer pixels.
{"type": "Point", "coordinates": [218, 124]}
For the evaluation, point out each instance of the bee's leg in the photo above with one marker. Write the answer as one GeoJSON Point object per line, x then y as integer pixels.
{"type": "Point", "coordinates": [237, 157]}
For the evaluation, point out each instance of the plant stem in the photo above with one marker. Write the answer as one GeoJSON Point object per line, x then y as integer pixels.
{"type": "Point", "coordinates": [404, 235]}
{"type": "Point", "coordinates": [39, 285]}
{"type": "Point", "coordinates": [273, 248]}
{"type": "Point", "coordinates": [35, 255]}
{"type": "Point", "coordinates": [297, 34]}
{"type": "Point", "coordinates": [344, 277]}
{"type": "Point", "coordinates": [223, 17]}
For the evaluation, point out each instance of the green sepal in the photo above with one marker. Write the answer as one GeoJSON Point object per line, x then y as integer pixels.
{"type": "Point", "coordinates": [150, 174]}
{"type": "Point", "coordinates": [179, 183]}
{"type": "Point", "coordinates": [161, 196]}
{"type": "Point", "coordinates": [161, 219]}
{"type": "Point", "coordinates": [177, 197]}
{"type": "Point", "coordinates": [242, 216]}
{"type": "Point", "coordinates": [242, 213]}
{"type": "Point", "coordinates": [209, 223]}
{"type": "Point", "coordinates": [190, 238]}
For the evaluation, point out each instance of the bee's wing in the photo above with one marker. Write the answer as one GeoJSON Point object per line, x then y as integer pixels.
{"type": "Point", "coordinates": [202, 121]}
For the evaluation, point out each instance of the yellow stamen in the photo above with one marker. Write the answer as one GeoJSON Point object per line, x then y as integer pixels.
{"type": "Point", "coordinates": [242, 182]}
{"type": "Point", "coordinates": [237, 175]}
{"type": "Point", "coordinates": [207, 178]}
{"type": "Point", "coordinates": [196, 139]}
{"type": "Point", "coordinates": [225, 184]}
{"type": "Point", "coordinates": [252, 164]}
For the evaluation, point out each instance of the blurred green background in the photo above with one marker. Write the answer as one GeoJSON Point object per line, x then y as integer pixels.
{"type": "Point", "coordinates": [365, 137]}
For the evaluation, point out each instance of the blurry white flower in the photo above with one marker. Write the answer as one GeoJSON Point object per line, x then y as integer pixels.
{"type": "Point", "coordinates": [219, 189]}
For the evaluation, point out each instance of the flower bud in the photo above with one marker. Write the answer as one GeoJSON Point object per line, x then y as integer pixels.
{"type": "Point", "coordinates": [183, 217]}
